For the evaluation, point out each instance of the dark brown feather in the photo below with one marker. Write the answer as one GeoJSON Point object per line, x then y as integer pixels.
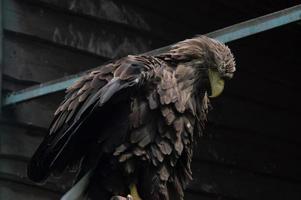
{"type": "Point", "coordinates": [164, 146]}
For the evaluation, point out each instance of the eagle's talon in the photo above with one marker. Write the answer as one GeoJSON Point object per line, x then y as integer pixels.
{"type": "Point", "coordinates": [129, 197]}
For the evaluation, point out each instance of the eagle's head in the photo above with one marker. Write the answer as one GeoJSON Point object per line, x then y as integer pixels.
{"type": "Point", "coordinates": [208, 55]}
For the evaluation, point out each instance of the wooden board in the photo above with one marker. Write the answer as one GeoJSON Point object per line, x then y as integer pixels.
{"type": "Point", "coordinates": [19, 142]}
{"type": "Point", "coordinates": [273, 57]}
{"type": "Point", "coordinates": [255, 88]}
{"type": "Point", "coordinates": [28, 60]}
{"type": "Point", "coordinates": [239, 184]}
{"type": "Point", "coordinates": [122, 13]}
{"type": "Point", "coordinates": [243, 114]}
{"type": "Point", "coordinates": [10, 84]}
{"type": "Point", "coordinates": [251, 152]}
{"type": "Point", "coordinates": [16, 170]}
{"type": "Point", "coordinates": [29, 112]}
{"type": "Point", "coordinates": [104, 39]}
{"type": "Point", "coordinates": [23, 113]}
{"type": "Point", "coordinates": [13, 191]}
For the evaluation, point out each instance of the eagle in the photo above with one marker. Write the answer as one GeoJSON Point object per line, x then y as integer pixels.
{"type": "Point", "coordinates": [130, 126]}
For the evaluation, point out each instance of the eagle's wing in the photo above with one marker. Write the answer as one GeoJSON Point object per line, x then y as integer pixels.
{"type": "Point", "coordinates": [69, 136]}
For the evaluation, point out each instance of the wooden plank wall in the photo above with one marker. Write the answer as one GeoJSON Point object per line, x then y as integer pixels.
{"type": "Point", "coordinates": [251, 148]}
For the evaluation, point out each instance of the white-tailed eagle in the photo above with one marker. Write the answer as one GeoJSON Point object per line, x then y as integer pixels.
{"type": "Point", "coordinates": [133, 123]}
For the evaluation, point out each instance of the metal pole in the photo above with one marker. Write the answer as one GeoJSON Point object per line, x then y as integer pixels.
{"type": "Point", "coordinates": [227, 34]}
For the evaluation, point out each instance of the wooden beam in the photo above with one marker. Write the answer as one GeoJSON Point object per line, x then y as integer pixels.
{"type": "Point", "coordinates": [98, 37]}
{"type": "Point", "coordinates": [31, 61]}
{"type": "Point", "coordinates": [227, 34]}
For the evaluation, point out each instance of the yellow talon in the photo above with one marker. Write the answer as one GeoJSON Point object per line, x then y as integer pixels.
{"type": "Point", "coordinates": [134, 192]}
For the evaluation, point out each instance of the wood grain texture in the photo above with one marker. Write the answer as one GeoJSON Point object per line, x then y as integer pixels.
{"type": "Point", "coordinates": [14, 169]}
{"type": "Point", "coordinates": [48, 187]}
{"type": "Point", "coordinates": [19, 142]}
{"type": "Point", "coordinates": [28, 60]}
{"type": "Point", "coordinates": [12, 191]}
{"type": "Point", "coordinates": [104, 39]}
{"type": "Point", "coordinates": [270, 62]}
{"type": "Point", "coordinates": [244, 114]}
{"type": "Point", "coordinates": [260, 90]}
{"type": "Point", "coordinates": [251, 152]}
{"type": "Point", "coordinates": [45, 108]}
{"type": "Point", "coordinates": [122, 13]}
{"type": "Point", "coordinates": [239, 184]}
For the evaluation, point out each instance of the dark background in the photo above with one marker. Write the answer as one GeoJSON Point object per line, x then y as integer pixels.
{"type": "Point", "coordinates": [251, 149]}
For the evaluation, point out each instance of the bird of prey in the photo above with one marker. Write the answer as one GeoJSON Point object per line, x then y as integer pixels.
{"type": "Point", "coordinates": [131, 125]}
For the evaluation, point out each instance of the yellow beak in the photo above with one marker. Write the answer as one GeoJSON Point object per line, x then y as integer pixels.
{"type": "Point", "coordinates": [216, 82]}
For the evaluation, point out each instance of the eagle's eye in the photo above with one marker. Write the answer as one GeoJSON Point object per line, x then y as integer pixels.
{"type": "Point", "coordinates": [222, 67]}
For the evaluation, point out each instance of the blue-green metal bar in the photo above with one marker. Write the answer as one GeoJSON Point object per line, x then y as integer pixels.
{"type": "Point", "coordinates": [258, 25]}
{"type": "Point", "coordinates": [39, 90]}
{"type": "Point", "coordinates": [227, 34]}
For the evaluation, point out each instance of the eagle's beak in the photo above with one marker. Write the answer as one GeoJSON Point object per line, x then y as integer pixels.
{"type": "Point", "coordinates": [216, 82]}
